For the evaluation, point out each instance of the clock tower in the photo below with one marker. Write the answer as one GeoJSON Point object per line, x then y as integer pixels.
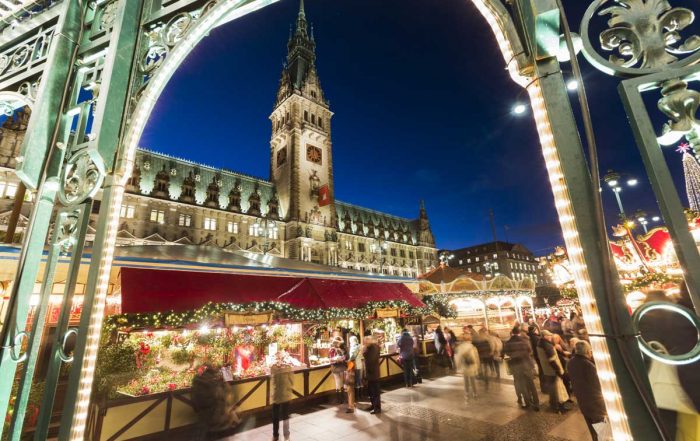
{"type": "Point", "coordinates": [301, 161]}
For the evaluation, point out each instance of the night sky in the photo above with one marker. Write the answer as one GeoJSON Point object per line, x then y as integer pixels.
{"type": "Point", "coordinates": [422, 109]}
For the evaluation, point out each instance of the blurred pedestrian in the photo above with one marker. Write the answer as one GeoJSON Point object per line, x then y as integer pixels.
{"type": "Point", "coordinates": [586, 386]}
{"type": "Point", "coordinates": [351, 373]}
{"type": "Point", "coordinates": [522, 366]}
{"type": "Point", "coordinates": [485, 350]}
{"type": "Point", "coordinates": [533, 333]}
{"type": "Point", "coordinates": [338, 358]}
{"type": "Point", "coordinates": [281, 384]}
{"type": "Point", "coordinates": [450, 346]}
{"type": "Point", "coordinates": [371, 358]}
{"type": "Point", "coordinates": [406, 355]}
{"type": "Point", "coordinates": [467, 360]}
{"type": "Point", "coordinates": [553, 371]}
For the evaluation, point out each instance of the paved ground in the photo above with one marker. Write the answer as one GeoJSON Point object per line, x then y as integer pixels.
{"type": "Point", "coordinates": [434, 410]}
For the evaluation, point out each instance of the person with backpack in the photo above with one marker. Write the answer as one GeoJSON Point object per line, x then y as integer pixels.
{"type": "Point", "coordinates": [467, 360]}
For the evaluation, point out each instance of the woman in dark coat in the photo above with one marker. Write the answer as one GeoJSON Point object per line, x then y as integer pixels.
{"type": "Point", "coordinates": [371, 357]}
{"type": "Point", "coordinates": [586, 386]}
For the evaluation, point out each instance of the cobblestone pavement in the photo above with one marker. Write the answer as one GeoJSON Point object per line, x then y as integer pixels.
{"type": "Point", "coordinates": [434, 410]}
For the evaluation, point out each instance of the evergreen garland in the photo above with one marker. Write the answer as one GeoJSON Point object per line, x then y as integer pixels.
{"type": "Point", "coordinates": [214, 312]}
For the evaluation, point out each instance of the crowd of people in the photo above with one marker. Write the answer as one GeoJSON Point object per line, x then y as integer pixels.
{"type": "Point", "coordinates": [554, 350]}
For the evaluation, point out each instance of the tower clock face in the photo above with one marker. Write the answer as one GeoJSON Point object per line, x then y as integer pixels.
{"type": "Point", "coordinates": [313, 154]}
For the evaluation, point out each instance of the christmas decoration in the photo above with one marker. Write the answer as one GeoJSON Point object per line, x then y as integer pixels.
{"type": "Point", "coordinates": [691, 170]}
{"type": "Point", "coordinates": [212, 314]}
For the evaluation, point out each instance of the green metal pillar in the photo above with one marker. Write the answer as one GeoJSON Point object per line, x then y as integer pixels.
{"type": "Point", "coordinates": [38, 171]}
{"type": "Point", "coordinates": [110, 115]}
{"type": "Point", "coordinates": [540, 21]}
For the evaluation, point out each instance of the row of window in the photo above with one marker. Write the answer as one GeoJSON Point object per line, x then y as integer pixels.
{"type": "Point", "coordinates": [208, 223]}
{"type": "Point", "coordinates": [374, 248]}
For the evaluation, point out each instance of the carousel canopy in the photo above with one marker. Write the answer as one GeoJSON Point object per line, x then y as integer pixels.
{"type": "Point", "coordinates": [446, 274]}
{"type": "Point", "coordinates": [151, 290]}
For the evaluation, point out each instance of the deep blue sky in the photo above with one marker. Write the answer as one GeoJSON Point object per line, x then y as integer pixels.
{"type": "Point", "coordinates": [422, 111]}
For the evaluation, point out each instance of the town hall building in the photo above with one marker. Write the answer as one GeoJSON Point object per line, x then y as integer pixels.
{"type": "Point", "coordinates": [293, 214]}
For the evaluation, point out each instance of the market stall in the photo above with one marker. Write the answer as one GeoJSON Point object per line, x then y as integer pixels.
{"type": "Point", "coordinates": [237, 323]}
{"type": "Point", "coordinates": [496, 303]}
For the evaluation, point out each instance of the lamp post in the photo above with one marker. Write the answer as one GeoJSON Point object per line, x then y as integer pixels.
{"type": "Point", "coordinates": [614, 181]}
{"type": "Point", "coordinates": [445, 257]}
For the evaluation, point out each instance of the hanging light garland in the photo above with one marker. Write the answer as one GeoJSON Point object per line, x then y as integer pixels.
{"type": "Point", "coordinates": [214, 312]}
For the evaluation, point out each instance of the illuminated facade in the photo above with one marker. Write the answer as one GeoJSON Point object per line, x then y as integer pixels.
{"type": "Point", "coordinates": [292, 214]}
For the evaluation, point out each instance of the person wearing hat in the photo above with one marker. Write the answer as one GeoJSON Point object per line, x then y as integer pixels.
{"type": "Point", "coordinates": [339, 365]}
{"type": "Point", "coordinates": [553, 371]}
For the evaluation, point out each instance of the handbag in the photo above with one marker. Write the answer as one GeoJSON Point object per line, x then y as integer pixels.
{"type": "Point", "coordinates": [603, 430]}
{"type": "Point", "coordinates": [666, 386]}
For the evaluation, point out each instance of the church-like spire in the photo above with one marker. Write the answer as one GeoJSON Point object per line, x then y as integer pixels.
{"type": "Point", "coordinates": [301, 48]}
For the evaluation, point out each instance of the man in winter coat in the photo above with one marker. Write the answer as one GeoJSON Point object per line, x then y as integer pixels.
{"type": "Point", "coordinates": [371, 357]}
{"type": "Point", "coordinates": [281, 384]}
{"type": "Point", "coordinates": [584, 380]}
{"type": "Point", "coordinates": [406, 353]}
{"type": "Point", "coordinates": [522, 366]}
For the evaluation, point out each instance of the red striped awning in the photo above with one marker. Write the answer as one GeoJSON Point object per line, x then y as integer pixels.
{"type": "Point", "coordinates": [155, 290]}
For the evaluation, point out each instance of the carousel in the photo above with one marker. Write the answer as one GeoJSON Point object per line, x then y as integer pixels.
{"type": "Point", "coordinates": [495, 303]}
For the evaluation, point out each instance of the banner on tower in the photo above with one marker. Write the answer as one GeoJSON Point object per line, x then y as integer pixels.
{"type": "Point", "coordinates": [324, 196]}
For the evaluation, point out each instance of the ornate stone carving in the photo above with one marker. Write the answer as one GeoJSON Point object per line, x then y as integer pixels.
{"type": "Point", "coordinates": [643, 36]}
{"type": "Point", "coordinates": [81, 178]}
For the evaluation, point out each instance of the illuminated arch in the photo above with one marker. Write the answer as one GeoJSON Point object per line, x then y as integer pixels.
{"type": "Point", "coordinates": [512, 51]}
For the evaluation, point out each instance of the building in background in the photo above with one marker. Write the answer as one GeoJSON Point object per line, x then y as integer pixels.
{"type": "Point", "coordinates": [491, 259]}
{"type": "Point", "coordinates": [292, 214]}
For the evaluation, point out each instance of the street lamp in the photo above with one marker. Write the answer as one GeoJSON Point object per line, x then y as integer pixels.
{"type": "Point", "coordinates": [445, 257]}
{"type": "Point", "coordinates": [613, 180]}
{"type": "Point", "coordinates": [519, 108]}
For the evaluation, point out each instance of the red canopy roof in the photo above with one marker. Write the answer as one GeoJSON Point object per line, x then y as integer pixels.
{"type": "Point", "coordinates": [154, 290]}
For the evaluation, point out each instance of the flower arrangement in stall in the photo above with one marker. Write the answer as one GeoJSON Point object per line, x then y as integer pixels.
{"type": "Point", "coordinates": [157, 380]}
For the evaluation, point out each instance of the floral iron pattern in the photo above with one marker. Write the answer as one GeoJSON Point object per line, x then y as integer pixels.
{"type": "Point", "coordinates": [81, 178]}
{"type": "Point", "coordinates": [643, 36]}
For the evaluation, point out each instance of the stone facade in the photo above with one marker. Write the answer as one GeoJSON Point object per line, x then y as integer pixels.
{"type": "Point", "coordinates": [491, 259]}
{"type": "Point", "coordinates": [294, 214]}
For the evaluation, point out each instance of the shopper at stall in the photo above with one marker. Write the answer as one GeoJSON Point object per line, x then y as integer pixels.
{"type": "Point", "coordinates": [338, 358]}
{"type": "Point", "coordinates": [351, 373]}
{"type": "Point", "coordinates": [467, 360]}
{"type": "Point", "coordinates": [372, 374]}
{"type": "Point", "coordinates": [281, 384]}
{"type": "Point", "coordinates": [406, 355]}
{"type": "Point", "coordinates": [440, 342]}
{"type": "Point", "coordinates": [451, 344]}
{"type": "Point", "coordinates": [522, 366]}
{"type": "Point", "coordinates": [553, 371]}
{"type": "Point", "coordinates": [584, 379]}
{"type": "Point", "coordinates": [416, 352]}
